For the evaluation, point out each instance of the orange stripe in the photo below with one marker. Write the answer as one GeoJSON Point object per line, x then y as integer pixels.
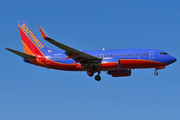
{"type": "Point", "coordinates": [26, 49]}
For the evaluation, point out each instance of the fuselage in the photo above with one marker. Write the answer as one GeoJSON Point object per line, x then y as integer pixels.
{"type": "Point", "coordinates": [128, 59]}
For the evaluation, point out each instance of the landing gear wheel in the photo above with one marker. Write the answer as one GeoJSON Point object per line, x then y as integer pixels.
{"type": "Point", "coordinates": [97, 77]}
{"type": "Point", "coordinates": [156, 73]}
{"type": "Point", "coordinates": [90, 73]}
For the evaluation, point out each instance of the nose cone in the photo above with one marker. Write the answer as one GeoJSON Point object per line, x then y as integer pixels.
{"type": "Point", "coordinates": [171, 59]}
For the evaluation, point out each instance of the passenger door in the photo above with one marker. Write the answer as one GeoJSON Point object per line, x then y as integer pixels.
{"type": "Point", "coordinates": [151, 54]}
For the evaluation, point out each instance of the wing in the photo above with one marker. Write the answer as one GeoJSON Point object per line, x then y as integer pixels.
{"type": "Point", "coordinates": [75, 54]}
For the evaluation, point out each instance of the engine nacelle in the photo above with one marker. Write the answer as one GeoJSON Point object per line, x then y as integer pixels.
{"type": "Point", "coordinates": [110, 64]}
{"type": "Point", "coordinates": [120, 73]}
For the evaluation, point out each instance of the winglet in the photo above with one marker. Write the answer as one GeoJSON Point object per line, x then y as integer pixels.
{"type": "Point", "coordinates": [43, 33]}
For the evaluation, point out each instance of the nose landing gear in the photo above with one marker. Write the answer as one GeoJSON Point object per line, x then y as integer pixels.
{"type": "Point", "coordinates": [156, 73]}
{"type": "Point", "coordinates": [157, 68]}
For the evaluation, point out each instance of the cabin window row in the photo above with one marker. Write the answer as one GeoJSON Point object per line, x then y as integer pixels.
{"type": "Point", "coordinates": [110, 55]}
{"type": "Point", "coordinates": [59, 58]}
{"type": "Point", "coordinates": [106, 56]}
{"type": "Point", "coordinates": [122, 55]}
{"type": "Point", "coordinates": [132, 54]}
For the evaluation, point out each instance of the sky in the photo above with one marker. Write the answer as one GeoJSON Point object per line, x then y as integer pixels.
{"type": "Point", "coordinates": [29, 92]}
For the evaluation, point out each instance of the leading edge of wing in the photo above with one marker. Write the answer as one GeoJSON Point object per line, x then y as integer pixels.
{"type": "Point", "coordinates": [69, 50]}
{"type": "Point", "coordinates": [21, 54]}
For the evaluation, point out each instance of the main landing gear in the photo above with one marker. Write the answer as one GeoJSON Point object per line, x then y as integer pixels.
{"type": "Point", "coordinates": [90, 73]}
{"type": "Point", "coordinates": [97, 77]}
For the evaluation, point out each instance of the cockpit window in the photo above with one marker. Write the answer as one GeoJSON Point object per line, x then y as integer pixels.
{"type": "Point", "coordinates": [163, 53]}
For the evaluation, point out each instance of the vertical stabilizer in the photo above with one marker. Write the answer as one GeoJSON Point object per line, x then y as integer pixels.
{"type": "Point", "coordinates": [31, 43]}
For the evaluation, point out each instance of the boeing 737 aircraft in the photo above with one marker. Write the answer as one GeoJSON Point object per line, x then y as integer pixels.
{"type": "Point", "coordinates": [117, 63]}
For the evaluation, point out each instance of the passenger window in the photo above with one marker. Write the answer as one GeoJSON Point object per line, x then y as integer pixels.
{"type": "Point", "coordinates": [101, 56]}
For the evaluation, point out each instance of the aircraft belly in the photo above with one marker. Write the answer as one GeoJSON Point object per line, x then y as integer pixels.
{"type": "Point", "coordinates": [125, 64]}
{"type": "Point", "coordinates": [134, 64]}
{"type": "Point", "coordinates": [130, 64]}
{"type": "Point", "coordinates": [109, 66]}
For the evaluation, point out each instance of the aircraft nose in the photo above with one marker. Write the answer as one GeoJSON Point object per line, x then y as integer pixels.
{"type": "Point", "coordinates": [172, 59]}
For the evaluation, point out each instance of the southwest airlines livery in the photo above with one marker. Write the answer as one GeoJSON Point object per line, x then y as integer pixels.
{"type": "Point", "coordinates": [117, 63]}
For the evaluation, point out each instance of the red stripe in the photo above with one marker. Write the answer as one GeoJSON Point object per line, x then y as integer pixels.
{"type": "Point", "coordinates": [125, 64]}
{"type": "Point", "coordinates": [130, 64]}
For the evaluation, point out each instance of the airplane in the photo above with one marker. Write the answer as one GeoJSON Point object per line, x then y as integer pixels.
{"type": "Point", "coordinates": [117, 63]}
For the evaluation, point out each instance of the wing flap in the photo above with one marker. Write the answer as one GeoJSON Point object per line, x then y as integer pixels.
{"type": "Point", "coordinates": [21, 54]}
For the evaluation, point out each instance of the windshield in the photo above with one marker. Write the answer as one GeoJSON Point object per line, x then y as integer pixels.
{"type": "Point", "coordinates": [163, 53]}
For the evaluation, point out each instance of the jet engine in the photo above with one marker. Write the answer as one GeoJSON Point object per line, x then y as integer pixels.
{"type": "Point", "coordinates": [120, 73]}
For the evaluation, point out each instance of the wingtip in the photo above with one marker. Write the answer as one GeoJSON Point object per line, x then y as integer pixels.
{"type": "Point", "coordinates": [8, 49]}
{"type": "Point", "coordinates": [43, 33]}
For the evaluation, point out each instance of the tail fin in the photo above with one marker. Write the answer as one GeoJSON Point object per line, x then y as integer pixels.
{"type": "Point", "coordinates": [31, 43]}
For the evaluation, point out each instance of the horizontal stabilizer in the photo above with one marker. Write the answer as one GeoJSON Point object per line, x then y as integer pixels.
{"type": "Point", "coordinates": [21, 54]}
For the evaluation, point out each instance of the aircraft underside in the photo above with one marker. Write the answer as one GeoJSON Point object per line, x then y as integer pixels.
{"type": "Point", "coordinates": [116, 69]}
